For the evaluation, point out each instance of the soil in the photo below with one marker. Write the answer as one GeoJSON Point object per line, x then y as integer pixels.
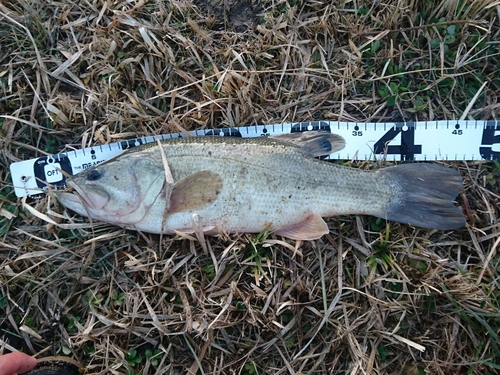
{"type": "Point", "coordinates": [236, 14]}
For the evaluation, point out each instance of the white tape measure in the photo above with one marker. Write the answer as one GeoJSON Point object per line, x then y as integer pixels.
{"type": "Point", "coordinates": [423, 141]}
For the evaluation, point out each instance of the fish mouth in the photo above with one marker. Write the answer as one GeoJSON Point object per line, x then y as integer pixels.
{"type": "Point", "coordinates": [94, 199]}
{"type": "Point", "coordinates": [73, 201]}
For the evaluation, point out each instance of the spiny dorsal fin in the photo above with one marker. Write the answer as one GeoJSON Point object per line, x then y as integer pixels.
{"type": "Point", "coordinates": [315, 143]}
{"type": "Point", "coordinates": [195, 192]}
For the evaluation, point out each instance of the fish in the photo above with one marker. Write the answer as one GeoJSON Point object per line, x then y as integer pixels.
{"type": "Point", "coordinates": [247, 185]}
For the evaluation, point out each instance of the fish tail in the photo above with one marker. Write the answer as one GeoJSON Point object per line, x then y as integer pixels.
{"type": "Point", "coordinates": [424, 195]}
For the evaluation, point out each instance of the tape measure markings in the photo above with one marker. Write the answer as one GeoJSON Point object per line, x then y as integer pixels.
{"type": "Point", "coordinates": [397, 141]}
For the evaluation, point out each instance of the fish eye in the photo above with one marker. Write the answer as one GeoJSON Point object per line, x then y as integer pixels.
{"type": "Point", "coordinates": [94, 175]}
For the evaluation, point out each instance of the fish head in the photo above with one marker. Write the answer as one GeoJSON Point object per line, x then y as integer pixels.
{"type": "Point", "coordinates": [119, 191]}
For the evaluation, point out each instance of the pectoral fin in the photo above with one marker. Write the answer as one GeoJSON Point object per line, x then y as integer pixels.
{"type": "Point", "coordinates": [315, 143]}
{"type": "Point", "coordinates": [312, 228]}
{"type": "Point", "coordinates": [195, 191]}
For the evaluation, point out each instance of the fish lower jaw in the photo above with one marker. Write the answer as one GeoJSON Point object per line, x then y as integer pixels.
{"type": "Point", "coordinates": [72, 202]}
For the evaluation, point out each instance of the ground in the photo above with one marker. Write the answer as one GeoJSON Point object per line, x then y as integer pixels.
{"type": "Point", "coordinates": [235, 14]}
{"type": "Point", "coordinates": [372, 297]}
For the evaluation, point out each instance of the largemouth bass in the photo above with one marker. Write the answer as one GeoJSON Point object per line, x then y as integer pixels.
{"type": "Point", "coordinates": [227, 184]}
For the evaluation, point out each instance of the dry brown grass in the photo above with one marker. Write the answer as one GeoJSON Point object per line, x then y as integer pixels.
{"type": "Point", "coordinates": [366, 299]}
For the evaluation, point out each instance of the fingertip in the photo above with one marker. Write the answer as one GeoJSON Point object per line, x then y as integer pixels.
{"type": "Point", "coordinates": [16, 363]}
{"type": "Point", "coordinates": [31, 362]}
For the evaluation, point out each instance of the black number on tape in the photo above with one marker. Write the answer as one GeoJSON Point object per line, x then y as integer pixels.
{"type": "Point", "coordinates": [490, 137]}
{"type": "Point", "coordinates": [407, 149]}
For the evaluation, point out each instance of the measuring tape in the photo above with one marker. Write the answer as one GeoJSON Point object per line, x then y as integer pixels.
{"type": "Point", "coordinates": [419, 141]}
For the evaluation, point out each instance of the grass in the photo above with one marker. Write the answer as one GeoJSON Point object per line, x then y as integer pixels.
{"type": "Point", "coordinates": [370, 297]}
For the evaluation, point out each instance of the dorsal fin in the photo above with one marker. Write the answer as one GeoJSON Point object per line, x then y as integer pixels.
{"type": "Point", "coordinates": [316, 143]}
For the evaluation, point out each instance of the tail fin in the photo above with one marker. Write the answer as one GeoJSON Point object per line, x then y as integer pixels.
{"type": "Point", "coordinates": [424, 194]}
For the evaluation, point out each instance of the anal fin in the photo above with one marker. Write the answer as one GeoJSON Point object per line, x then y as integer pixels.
{"type": "Point", "coordinates": [312, 228]}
